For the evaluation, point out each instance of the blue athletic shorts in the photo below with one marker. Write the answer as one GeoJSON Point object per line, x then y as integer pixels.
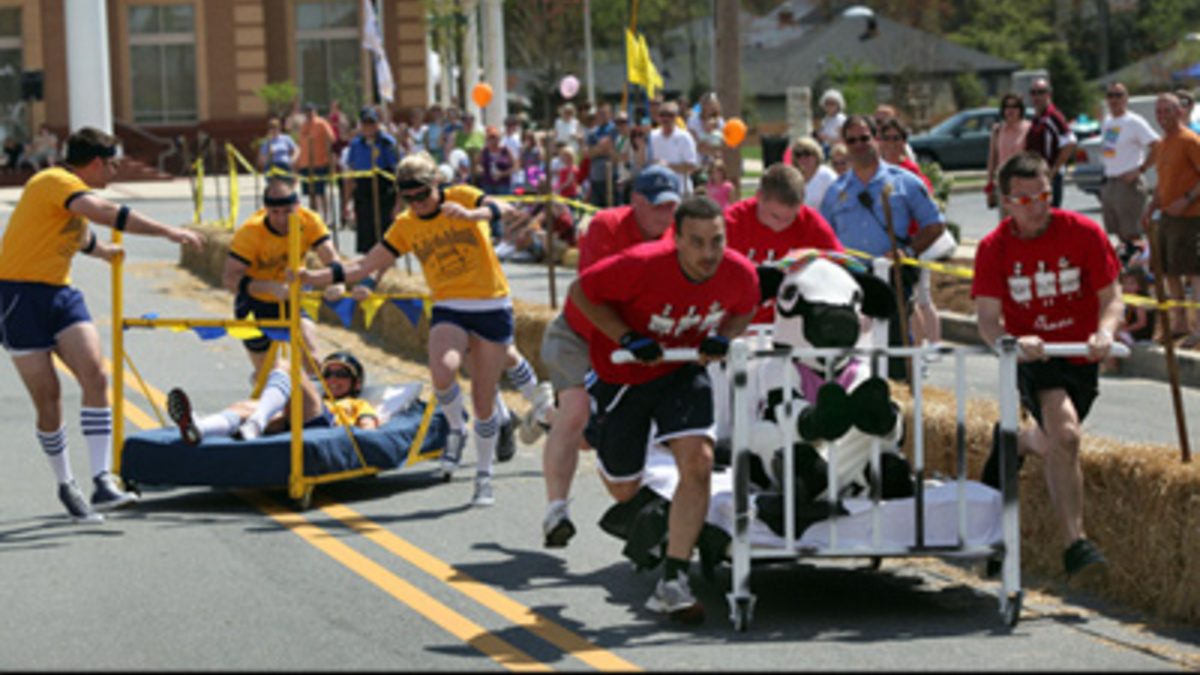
{"type": "Point", "coordinates": [244, 304]}
{"type": "Point", "coordinates": [314, 180]}
{"type": "Point", "coordinates": [33, 314]}
{"type": "Point", "coordinates": [493, 325]}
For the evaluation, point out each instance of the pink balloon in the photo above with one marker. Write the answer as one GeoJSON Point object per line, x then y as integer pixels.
{"type": "Point", "coordinates": [569, 86]}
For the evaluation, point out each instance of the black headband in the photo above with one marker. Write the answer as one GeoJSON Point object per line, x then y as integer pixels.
{"type": "Point", "coordinates": [293, 198]}
{"type": "Point", "coordinates": [411, 184]}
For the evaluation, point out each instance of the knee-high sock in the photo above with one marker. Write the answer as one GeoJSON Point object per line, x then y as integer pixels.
{"type": "Point", "coordinates": [486, 432]}
{"type": "Point", "coordinates": [54, 444]}
{"type": "Point", "coordinates": [274, 397]}
{"type": "Point", "coordinates": [219, 424]}
{"type": "Point", "coordinates": [97, 433]}
{"type": "Point", "coordinates": [523, 379]}
{"type": "Point", "coordinates": [452, 406]}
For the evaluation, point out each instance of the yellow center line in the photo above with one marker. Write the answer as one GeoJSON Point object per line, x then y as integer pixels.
{"type": "Point", "coordinates": [457, 625]}
{"type": "Point", "coordinates": [469, 632]}
{"type": "Point", "coordinates": [551, 632]}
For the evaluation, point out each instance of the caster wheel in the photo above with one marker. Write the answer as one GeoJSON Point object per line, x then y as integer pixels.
{"type": "Point", "coordinates": [742, 611]}
{"type": "Point", "coordinates": [1012, 612]}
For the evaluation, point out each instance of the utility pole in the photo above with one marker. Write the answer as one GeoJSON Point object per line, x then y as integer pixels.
{"type": "Point", "coordinates": [729, 77]}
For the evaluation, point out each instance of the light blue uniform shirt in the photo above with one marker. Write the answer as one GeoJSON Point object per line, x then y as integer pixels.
{"type": "Point", "coordinates": [865, 230]}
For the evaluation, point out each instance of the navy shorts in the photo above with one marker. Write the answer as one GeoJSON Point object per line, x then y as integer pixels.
{"type": "Point", "coordinates": [679, 403]}
{"type": "Point", "coordinates": [33, 314]}
{"type": "Point", "coordinates": [244, 304]}
{"type": "Point", "coordinates": [1080, 380]}
{"type": "Point", "coordinates": [493, 325]}
{"type": "Point", "coordinates": [314, 180]}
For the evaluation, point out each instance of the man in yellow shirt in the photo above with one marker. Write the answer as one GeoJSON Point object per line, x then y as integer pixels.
{"type": "Point", "coordinates": [343, 375]}
{"type": "Point", "coordinates": [257, 262]}
{"type": "Point", "coordinates": [42, 315]}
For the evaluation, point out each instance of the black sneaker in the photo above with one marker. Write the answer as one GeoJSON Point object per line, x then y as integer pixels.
{"type": "Point", "coordinates": [108, 496]}
{"type": "Point", "coordinates": [557, 527]}
{"type": "Point", "coordinates": [77, 506]}
{"type": "Point", "coordinates": [506, 444]}
{"type": "Point", "coordinates": [1082, 553]}
{"type": "Point", "coordinates": [179, 409]}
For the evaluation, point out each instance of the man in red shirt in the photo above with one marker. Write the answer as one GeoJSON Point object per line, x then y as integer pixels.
{"type": "Point", "coordinates": [1050, 136]}
{"type": "Point", "coordinates": [774, 221]}
{"type": "Point", "coordinates": [1044, 276]}
{"type": "Point", "coordinates": [564, 345]}
{"type": "Point", "coordinates": [688, 292]}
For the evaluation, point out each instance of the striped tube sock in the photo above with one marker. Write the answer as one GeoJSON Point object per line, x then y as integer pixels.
{"type": "Point", "coordinates": [219, 424]}
{"type": "Point", "coordinates": [275, 396]}
{"type": "Point", "coordinates": [96, 424]}
{"type": "Point", "coordinates": [523, 379]}
{"type": "Point", "coordinates": [54, 444]}
{"type": "Point", "coordinates": [451, 403]}
{"type": "Point", "coordinates": [486, 433]}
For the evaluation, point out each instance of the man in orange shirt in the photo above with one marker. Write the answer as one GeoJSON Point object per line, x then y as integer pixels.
{"type": "Point", "coordinates": [315, 140]}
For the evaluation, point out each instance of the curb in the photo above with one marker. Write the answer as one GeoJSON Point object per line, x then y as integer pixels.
{"type": "Point", "coordinates": [1147, 360]}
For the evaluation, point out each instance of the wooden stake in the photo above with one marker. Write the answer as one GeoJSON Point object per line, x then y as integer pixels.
{"type": "Point", "coordinates": [897, 277]}
{"type": "Point", "coordinates": [1164, 317]}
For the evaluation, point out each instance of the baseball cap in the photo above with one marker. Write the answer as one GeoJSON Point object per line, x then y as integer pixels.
{"type": "Point", "coordinates": [369, 115]}
{"type": "Point", "coordinates": [310, 107]}
{"type": "Point", "coordinates": [658, 184]}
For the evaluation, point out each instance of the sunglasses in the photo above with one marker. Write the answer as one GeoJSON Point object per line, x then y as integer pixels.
{"type": "Point", "coordinates": [1035, 92]}
{"type": "Point", "coordinates": [1114, 94]}
{"type": "Point", "coordinates": [333, 373]}
{"type": "Point", "coordinates": [414, 197]}
{"type": "Point", "coordinates": [1041, 197]}
{"type": "Point", "coordinates": [855, 140]}
{"type": "Point", "coordinates": [803, 153]}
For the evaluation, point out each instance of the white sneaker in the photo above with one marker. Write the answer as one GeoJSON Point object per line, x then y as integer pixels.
{"type": "Point", "coordinates": [452, 453]}
{"type": "Point", "coordinates": [483, 491]}
{"type": "Point", "coordinates": [535, 422]}
{"type": "Point", "coordinates": [674, 598]}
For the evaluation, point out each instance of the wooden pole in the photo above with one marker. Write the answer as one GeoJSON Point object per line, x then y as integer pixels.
{"type": "Point", "coordinates": [1164, 317]}
{"type": "Point", "coordinates": [547, 230]}
{"type": "Point", "coordinates": [727, 18]}
{"type": "Point", "coordinates": [897, 277]}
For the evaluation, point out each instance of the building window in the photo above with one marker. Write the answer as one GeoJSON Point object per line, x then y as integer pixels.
{"type": "Point", "coordinates": [13, 116]}
{"type": "Point", "coordinates": [328, 52]}
{"type": "Point", "coordinates": [162, 63]}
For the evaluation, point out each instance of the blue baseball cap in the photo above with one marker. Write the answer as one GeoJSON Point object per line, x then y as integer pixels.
{"type": "Point", "coordinates": [657, 184]}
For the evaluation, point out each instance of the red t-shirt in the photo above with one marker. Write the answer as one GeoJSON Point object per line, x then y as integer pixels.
{"type": "Point", "coordinates": [746, 234]}
{"type": "Point", "coordinates": [611, 231]}
{"type": "Point", "coordinates": [1047, 285]}
{"type": "Point", "coordinates": [649, 291]}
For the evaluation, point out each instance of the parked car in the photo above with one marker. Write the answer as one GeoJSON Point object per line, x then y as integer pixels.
{"type": "Point", "coordinates": [960, 141]}
{"type": "Point", "coordinates": [1088, 174]}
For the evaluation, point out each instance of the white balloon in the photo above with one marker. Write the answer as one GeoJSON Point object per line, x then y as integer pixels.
{"type": "Point", "coordinates": [569, 86]}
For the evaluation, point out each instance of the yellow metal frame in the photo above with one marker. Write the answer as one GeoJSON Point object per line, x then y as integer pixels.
{"type": "Point", "coordinates": [300, 487]}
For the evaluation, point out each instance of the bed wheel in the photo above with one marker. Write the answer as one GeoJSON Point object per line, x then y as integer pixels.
{"type": "Point", "coordinates": [304, 503]}
{"type": "Point", "coordinates": [742, 613]}
{"type": "Point", "coordinates": [1012, 609]}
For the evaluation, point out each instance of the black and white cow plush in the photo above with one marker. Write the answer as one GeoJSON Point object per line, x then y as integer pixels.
{"type": "Point", "coordinates": [823, 299]}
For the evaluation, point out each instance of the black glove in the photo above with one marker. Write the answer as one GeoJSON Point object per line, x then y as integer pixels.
{"type": "Point", "coordinates": [644, 349]}
{"type": "Point", "coordinates": [714, 346]}
{"type": "Point", "coordinates": [874, 412]}
{"type": "Point", "coordinates": [829, 418]}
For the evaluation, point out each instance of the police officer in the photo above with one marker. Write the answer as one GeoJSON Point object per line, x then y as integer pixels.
{"type": "Point", "coordinates": [374, 195]}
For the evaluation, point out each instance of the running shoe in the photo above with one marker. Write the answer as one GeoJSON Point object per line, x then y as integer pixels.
{"type": "Point", "coordinates": [179, 408]}
{"type": "Point", "coordinates": [107, 495]}
{"type": "Point", "coordinates": [557, 527]}
{"type": "Point", "coordinates": [535, 422]}
{"type": "Point", "coordinates": [452, 453]}
{"type": "Point", "coordinates": [506, 443]}
{"type": "Point", "coordinates": [77, 506]}
{"type": "Point", "coordinates": [483, 491]}
{"type": "Point", "coordinates": [674, 598]}
{"type": "Point", "coordinates": [1081, 554]}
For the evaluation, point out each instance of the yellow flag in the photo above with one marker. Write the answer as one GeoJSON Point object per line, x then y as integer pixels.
{"type": "Point", "coordinates": [635, 71]}
{"type": "Point", "coordinates": [370, 307]}
{"type": "Point", "coordinates": [654, 81]}
{"type": "Point", "coordinates": [244, 332]}
{"type": "Point", "coordinates": [311, 304]}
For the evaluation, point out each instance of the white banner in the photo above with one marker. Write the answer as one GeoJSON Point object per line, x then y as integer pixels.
{"type": "Point", "coordinates": [373, 43]}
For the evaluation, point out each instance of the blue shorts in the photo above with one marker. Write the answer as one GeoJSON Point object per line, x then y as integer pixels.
{"type": "Point", "coordinates": [493, 325]}
{"type": "Point", "coordinates": [244, 304]}
{"type": "Point", "coordinates": [314, 180]}
{"type": "Point", "coordinates": [33, 314]}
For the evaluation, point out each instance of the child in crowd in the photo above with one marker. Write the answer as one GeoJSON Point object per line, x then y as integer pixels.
{"type": "Point", "coordinates": [719, 188]}
{"type": "Point", "coordinates": [1138, 323]}
{"type": "Point", "coordinates": [566, 178]}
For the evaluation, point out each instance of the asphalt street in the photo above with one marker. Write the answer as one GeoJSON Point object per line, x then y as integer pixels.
{"type": "Point", "coordinates": [399, 573]}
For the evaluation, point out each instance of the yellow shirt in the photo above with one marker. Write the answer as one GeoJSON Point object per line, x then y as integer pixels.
{"type": "Point", "coordinates": [43, 235]}
{"type": "Point", "coordinates": [266, 251]}
{"type": "Point", "coordinates": [351, 410]}
{"type": "Point", "coordinates": [456, 255]}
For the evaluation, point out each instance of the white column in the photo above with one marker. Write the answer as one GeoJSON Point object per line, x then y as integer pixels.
{"type": "Point", "coordinates": [470, 64]}
{"type": "Point", "coordinates": [89, 90]}
{"type": "Point", "coordinates": [495, 72]}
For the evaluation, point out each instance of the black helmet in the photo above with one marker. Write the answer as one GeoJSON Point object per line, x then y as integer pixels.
{"type": "Point", "coordinates": [358, 374]}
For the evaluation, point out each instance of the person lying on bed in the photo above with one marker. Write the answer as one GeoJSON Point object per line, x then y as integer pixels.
{"type": "Point", "coordinates": [343, 374]}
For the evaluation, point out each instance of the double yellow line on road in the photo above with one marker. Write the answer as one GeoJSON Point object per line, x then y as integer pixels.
{"type": "Point", "coordinates": [471, 633]}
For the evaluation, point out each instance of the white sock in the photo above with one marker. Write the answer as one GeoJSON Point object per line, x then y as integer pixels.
{"type": "Point", "coordinates": [555, 505]}
{"type": "Point", "coordinates": [274, 397]}
{"type": "Point", "coordinates": [503, 413]}
{"type": "Point", "coordinates": [523, 379]}
{"type": "Point", "coordinates": [97, 433]}
{"type": "Point", "coordinates": [219, 424]}
{"type": "Point", "coordinates": [486, 433]}
{"type": "Point", "coordinates": [54, 444]}
{"type": "Point", "coordinates": [451, 403]}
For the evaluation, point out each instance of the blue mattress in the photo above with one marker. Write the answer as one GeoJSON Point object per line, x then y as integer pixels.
{"type": "Point", "coordinates": [160, 457]}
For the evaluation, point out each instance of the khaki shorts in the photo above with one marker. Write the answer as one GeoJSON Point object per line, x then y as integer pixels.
{"type": "Point", "coordinates": [1179, 241]}
{"type": "Point", "coordinates": [1122, 205]}
{"type": "Point", "coordinates": [565, 354]}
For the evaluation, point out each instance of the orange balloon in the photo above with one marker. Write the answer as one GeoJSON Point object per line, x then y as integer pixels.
{"type": "Point", "coordinates": [735, 132]}
{"type": "Point", "coordinates": [482, 94]}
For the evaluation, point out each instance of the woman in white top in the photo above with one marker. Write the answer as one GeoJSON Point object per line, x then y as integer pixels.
{"type": "Point", "coordinates": [1008, 138]}
{"type": "Point", "coordinates": [567, 128]}
{"type": "Point", "coordinates": [808, 158]}
{"type": "Point", "coordinates": [835, 116]}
